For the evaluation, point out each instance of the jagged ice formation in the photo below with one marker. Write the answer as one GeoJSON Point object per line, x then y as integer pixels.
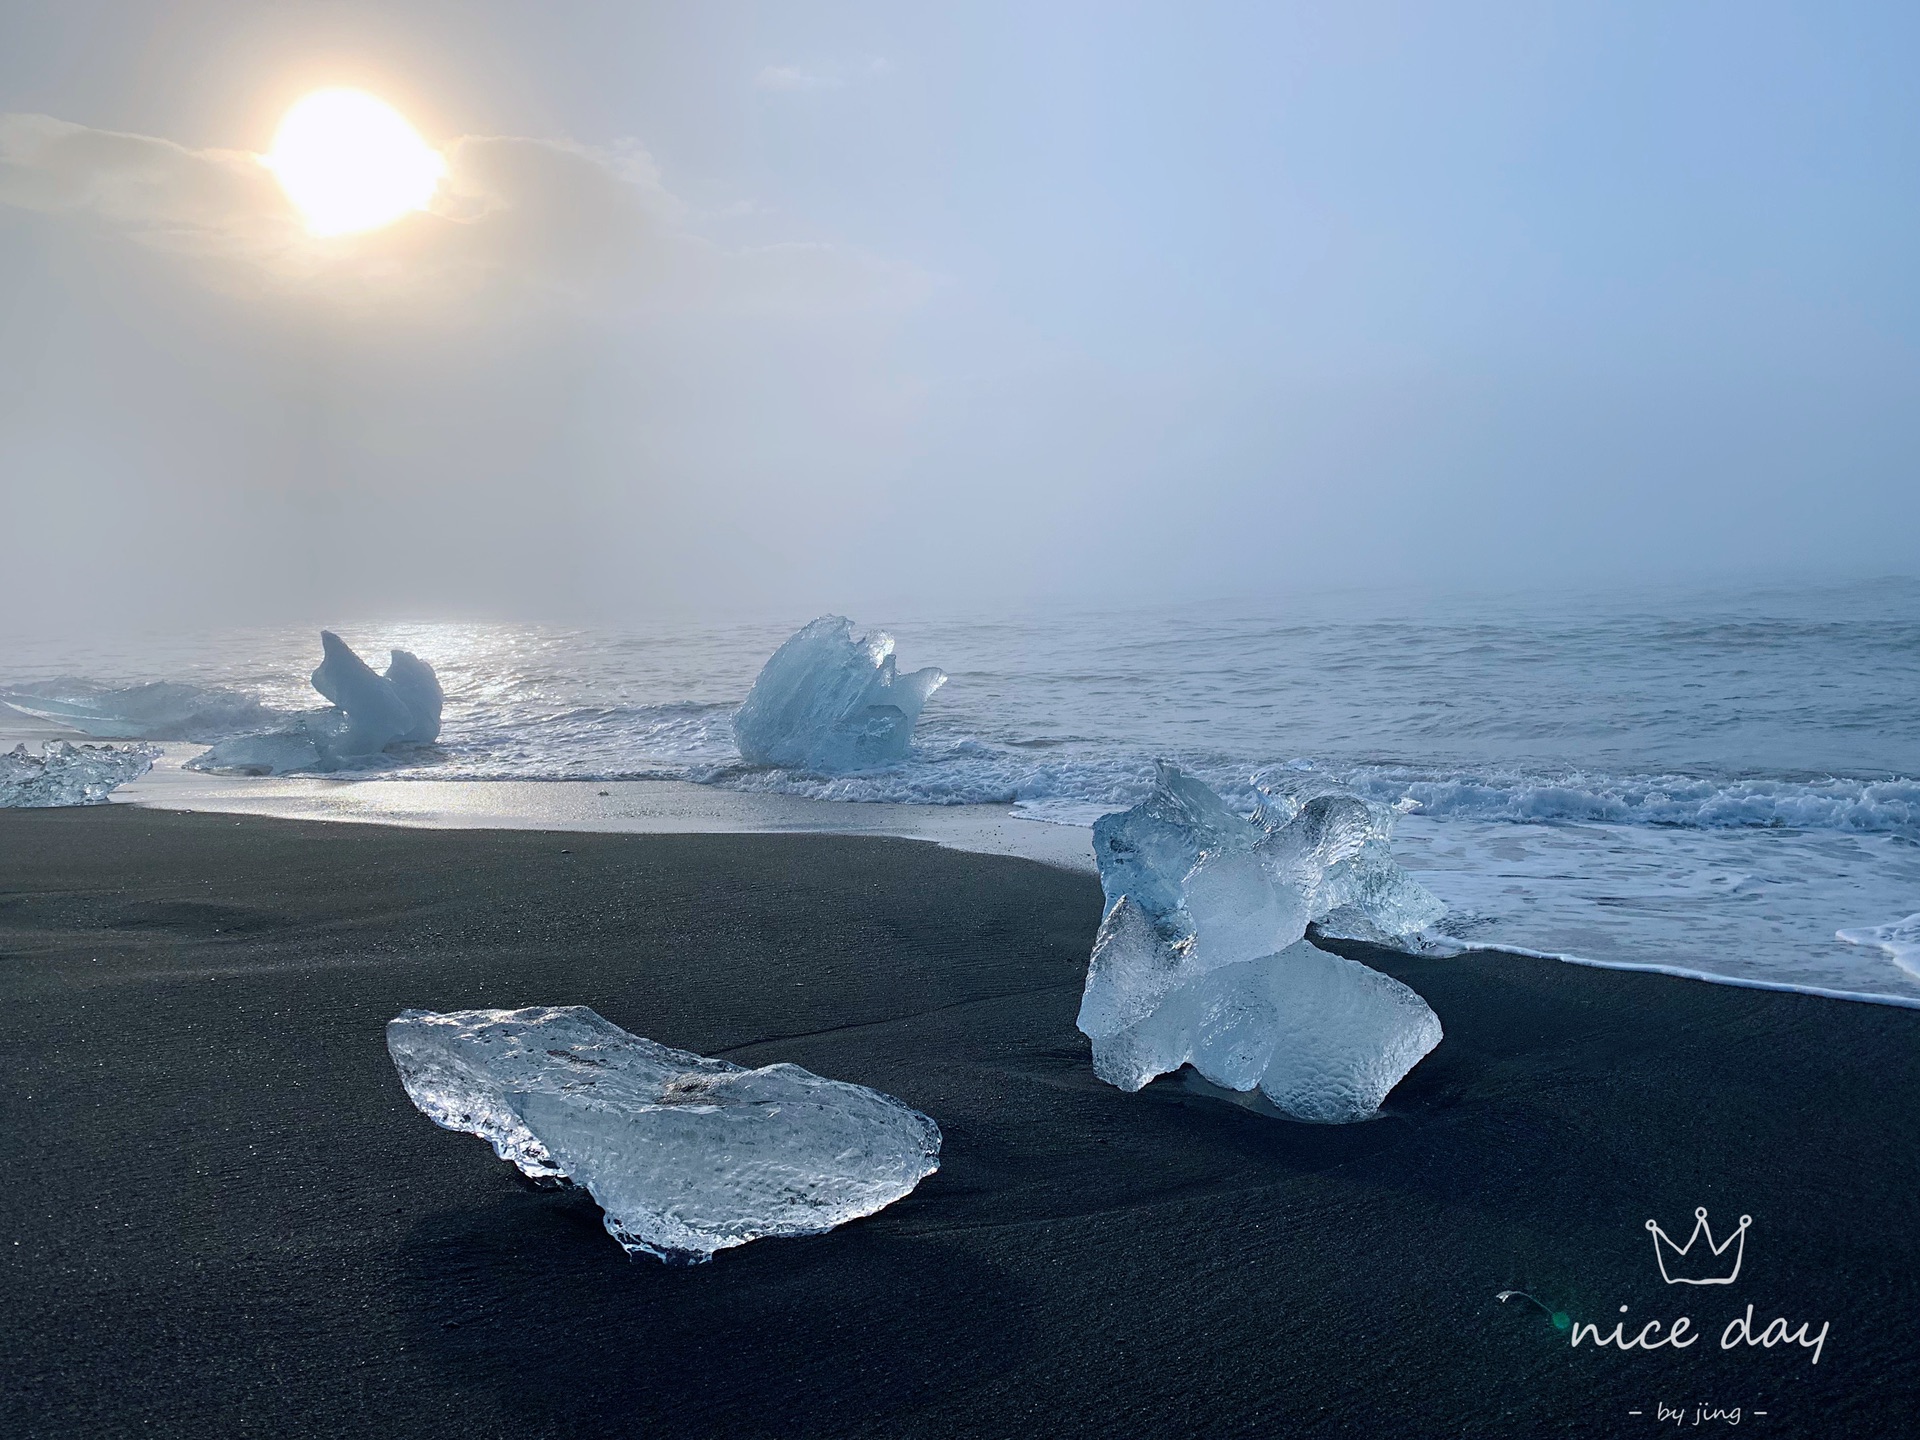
{"type": "Point", "coordinates": [370, 713]}
{"type": "Point", "coordinates": [1202, 958]}
{"type": "Point", "coordinates": [64, 774]}
{"type": "Point", "coordinates": [826, 702]}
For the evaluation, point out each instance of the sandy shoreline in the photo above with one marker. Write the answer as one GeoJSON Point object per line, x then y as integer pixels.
{"type": "Point", "coordinates": [668, 807]}
{"type": "Point", "coordinates": [615, 807]}
{"type": "Point", "coordinates": [227, 1219]}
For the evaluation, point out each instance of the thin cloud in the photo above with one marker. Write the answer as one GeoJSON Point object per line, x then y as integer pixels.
{"type": "Point", "coordinates": [535, 217]}
{"type": "Point", "coordinates": [792, 77]}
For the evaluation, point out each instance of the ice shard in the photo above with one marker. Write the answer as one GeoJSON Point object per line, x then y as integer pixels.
{"type": "Point", "coordinates": [685, 1155]}
{"type": "Point", "coordinates": [828, 703]}
{"type": "Point", "coordinates": [419, 690]}
{"type": "Point", "coordinates": [1341, 851]}
{"type": "Point", "coordinates": [64, 774]}
{"type": "Point", "coordinates": [375, 714]}
{"type": "Point", "coordinates": [1202, 958]}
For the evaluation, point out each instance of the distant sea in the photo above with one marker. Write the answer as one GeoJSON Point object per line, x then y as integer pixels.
{"type": "Point", "coordinates": [1712, 781]}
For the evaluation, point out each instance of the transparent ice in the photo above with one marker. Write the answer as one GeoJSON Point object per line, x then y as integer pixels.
{"type": "Point", "coordinates": [1202, 957]}
{"type": "Point", "coordinates": [684, 1154]}
{"type": "Point", "coordinates": [158, 710]}
{"type": "Point", "coordinates": [827, 703]}
{"type": "Point", "coordinates": [1332, 850]}
{"type": "Point", "coordinates": [370, 712]}
{"type": "Point", "coordinates": [64, 774]}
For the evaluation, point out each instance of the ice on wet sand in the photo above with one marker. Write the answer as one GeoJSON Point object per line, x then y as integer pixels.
{"type": "Point", "coordinates": [64, 774]}
{"type": "Point", "coordinates": [685, 1154]}
{"type": "Point", "coordinates": [1202, 959]}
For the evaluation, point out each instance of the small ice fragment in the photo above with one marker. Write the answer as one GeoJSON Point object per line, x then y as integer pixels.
{"type": "Point", "coordinates": [64, 774]}
{"type": "Point", "coordinates": [684, 1154]}
{"type": "Point", "coordinates": [1202, 959]}
{"type": "Point", "coordinates": [829, 703]}
{"type": "Point", "coordinates": [1899, 938]}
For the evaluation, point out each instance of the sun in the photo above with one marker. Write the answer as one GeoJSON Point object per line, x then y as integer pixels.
{"type": "Point", "coordinates": [350, 162]}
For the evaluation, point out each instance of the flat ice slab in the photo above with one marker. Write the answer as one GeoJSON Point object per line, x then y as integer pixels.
{"type": "Point", "coordinates": [684, 1154]}
{"type": "Point", "coordinates": [65, 774]}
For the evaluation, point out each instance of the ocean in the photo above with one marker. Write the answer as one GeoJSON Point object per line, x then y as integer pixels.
{"type": "Point", "coordinates": [1708, 781]}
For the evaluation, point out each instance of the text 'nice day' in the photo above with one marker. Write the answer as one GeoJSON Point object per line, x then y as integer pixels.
{"type": "Point", "coordinates": [1679, 1336]}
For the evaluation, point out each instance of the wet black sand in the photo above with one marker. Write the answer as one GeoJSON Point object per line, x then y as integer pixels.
{"type": "Point", "coordinates": [219, 1215]}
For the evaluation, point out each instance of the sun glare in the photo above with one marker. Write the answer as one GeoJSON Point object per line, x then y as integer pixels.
{"type": "Point", "coordinates": [350, 162]}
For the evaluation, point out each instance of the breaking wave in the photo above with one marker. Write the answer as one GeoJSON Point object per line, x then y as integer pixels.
{"type": "Point", "coordinates": [1867, 807]}
{"type": "Point", "coordinates": [1064, 778]}
{"type": "Point", "coordinates": [1715, 789]}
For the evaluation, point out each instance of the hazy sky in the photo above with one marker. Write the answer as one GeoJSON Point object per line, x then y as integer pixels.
{"type": "Point", "coordinates": [801, 306]}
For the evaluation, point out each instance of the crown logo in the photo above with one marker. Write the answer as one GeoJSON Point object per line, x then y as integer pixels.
{"type": "Point", "coordinates": [1710, 1265]}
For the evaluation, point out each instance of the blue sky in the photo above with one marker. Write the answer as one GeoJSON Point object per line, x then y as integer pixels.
{"type": "Point", "coordinates": [1024, 302]}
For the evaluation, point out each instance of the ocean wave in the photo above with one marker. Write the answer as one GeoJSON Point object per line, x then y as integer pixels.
{"type": "Point", "coordinates": [1688, 972]}
{"type": "Point", "coordinates": [693, 743]}
{"type": "Point", "coordinates": [1074, 782]}
{"type": "Point", "coordinates": [1890, 806]}
{"type": "Point", "coordinates": [1061, 774]}
{"type": "Point", "coordinates": [1900, 939]}
{"type": "Point", "coordinates": [156, 710]}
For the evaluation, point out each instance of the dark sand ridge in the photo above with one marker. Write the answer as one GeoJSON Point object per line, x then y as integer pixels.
{"type": "Point", "coordinates": [221, 1215]}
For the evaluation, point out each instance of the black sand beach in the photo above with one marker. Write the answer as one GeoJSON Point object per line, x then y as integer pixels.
{"type": "Point", "coordinates": [222, 1217]}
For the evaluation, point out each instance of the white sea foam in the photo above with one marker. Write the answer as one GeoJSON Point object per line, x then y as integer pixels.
{"type": "Point", "coordinates": [154, 710]}
{"type": "Point", "coordinates": [1899, 938]}
{"type": "Point", "coordinates": [1889, 806]}
{"type": "Point", "coordinates": [1715, 787]}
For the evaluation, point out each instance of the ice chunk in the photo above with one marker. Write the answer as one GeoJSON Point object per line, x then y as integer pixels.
{"type": "Point", "coordinates": [1338, 850]}
{"type": "Point", "coordinates": [1146, 852]}
{"type": "Point", "coordinates": [304, 745]}
{"type": "Point", "coordinates": [1899, 938]}
{"type": "Point", "coordinates": [1202, 958]}
{"type": "Point", "coordinates": [159, 710]}
{"type": "Point", "coordinates": [1330, 852]}
{"type": "Point", "coordinates": [685, 1154]}
{"type": "Point", "coordinates": [419, 690]}
{"type": "Point", "coordinates": [376, 715]}
{"type": "Point", "coordinates": [1323, 1037]}
{"type": "Point", "coordinates": [370, 713]}
{"type": "Point", "coordinates": [64, 774]}
{"type": "Point", "coordinates": [828, 703]}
